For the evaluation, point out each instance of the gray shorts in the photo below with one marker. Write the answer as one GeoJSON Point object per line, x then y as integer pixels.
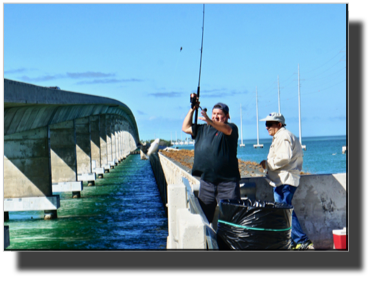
{"type": "Point", "coordinates": [210, 194]}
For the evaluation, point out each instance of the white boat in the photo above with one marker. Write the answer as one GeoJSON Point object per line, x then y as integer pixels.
{"type": "Point", "coordinates": [258, 145]}
{"type": "Point", "coordinates": [241, 129]}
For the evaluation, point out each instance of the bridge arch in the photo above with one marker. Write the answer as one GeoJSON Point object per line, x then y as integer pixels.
{"type": "Point", "coordinates": [55, 140]}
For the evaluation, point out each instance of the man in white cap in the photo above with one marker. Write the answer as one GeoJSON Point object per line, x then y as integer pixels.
{"type": "Point", "coordinates": [283, 165]}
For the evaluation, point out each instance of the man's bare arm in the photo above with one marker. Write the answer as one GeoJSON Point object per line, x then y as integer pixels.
{"type": "Point", "coordinates": [186, 125]}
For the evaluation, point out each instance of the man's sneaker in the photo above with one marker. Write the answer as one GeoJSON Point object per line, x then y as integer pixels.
{"type": "Point", "coordinates": [303, 246]}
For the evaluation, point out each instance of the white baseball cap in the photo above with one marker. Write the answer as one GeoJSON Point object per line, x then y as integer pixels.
{"type": "Point", "coordinates": [278, 117]}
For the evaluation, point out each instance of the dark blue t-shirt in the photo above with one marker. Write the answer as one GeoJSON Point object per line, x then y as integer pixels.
{"type": "Point", "coordinates": [215, 154]}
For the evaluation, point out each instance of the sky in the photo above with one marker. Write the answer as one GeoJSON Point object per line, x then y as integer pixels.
{"type": "Point", "coordinates": [132, 53]}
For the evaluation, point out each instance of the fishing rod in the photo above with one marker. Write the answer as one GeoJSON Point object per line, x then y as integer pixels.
{"type": "Point", "coordinates": [194, 98]}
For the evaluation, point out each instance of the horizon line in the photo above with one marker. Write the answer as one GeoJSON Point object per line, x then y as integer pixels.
{"type": "Point", "coordinates": [271, 138]}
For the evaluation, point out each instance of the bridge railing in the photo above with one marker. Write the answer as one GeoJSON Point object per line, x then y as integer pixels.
{"type": "Point", "coordinates": [188, 226]}
{"type": "Point", "coordinates": [195, 208]}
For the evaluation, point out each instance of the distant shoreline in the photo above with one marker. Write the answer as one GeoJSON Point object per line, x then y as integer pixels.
{"type": "Point", "coordinates": [303, 137]}
{"type": "Point", "coordinates": [269, 139]}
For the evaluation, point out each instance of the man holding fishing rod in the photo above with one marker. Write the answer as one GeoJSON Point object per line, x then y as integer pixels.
{"type": "Point", "coordinates": [215, 150]}
{"type": "Point", "coordinates": [215, 159]}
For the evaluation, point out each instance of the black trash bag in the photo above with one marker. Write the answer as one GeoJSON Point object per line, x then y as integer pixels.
{"type": "Point", "coordinates": [243, 224]}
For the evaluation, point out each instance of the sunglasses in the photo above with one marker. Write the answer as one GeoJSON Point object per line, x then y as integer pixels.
{"type": "Point", "coordinates": [269, 124]}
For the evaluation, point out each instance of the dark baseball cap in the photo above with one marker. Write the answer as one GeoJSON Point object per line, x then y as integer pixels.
{"type": "Point", "coordinates": [222, 106]}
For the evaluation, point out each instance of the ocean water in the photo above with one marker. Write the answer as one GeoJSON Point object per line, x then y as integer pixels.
{"type": "Point", "coordinates": [124, 211]}
{"type": "Point", "coordinates": [323, 155]}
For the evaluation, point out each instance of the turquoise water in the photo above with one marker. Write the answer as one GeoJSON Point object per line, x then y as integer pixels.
{"type": "Point", "coordinates": [123, 211]}
{"type": "Point", "coordinates": [323, 155]}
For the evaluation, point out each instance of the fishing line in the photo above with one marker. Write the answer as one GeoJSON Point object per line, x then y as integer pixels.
{"type": "Point", "coordinates": [171, 86]}
{"type": "Point", "coordinates": [176, 67]}
{"type": "Point", "coordinates": [199, 79]}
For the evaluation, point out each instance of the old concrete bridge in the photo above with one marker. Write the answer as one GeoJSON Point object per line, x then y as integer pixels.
{"type": "Point", "coordinates": [55, 140]}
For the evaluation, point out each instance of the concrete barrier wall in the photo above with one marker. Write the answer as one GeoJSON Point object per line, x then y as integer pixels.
{"type": "Point", "coordinates": [174, 172]}
{"type": "Point", "coordinates": [159, 176]}
{"type": "Point", "coordinates": [319, 202]}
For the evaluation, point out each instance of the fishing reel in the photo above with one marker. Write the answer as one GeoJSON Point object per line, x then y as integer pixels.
{"type": "Point", "coordinates": [194, 100]}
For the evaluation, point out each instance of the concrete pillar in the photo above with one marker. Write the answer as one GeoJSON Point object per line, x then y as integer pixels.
{"type": "Point", "coordinates": [121, 131]}
{"type": "Point", "coordinates": [125, 141]}
{"type": "Point", "coordinates": [121, 139]}
{"type": "Point", "coordinates": [103, 143]}
{"type": "Point", "coordinates": [118, 138]}
{"type": "Point", "coordinates": [132, 142]}
{"type": "Point", "coordinates": [123, 146]}
{"type": "Point", "coordinates": [126, 144]}
{"type": "Point", "coordinates": [116, 135]}
{"type": "Point", "coordinates": [27, 176]}
{"type": "Point", "coordinates": [109, 131]}
{"type": "Point", "coordinates": [50, 214]}
{"type": "Point", "coordinates": [83, 149]}
{"type": "Point", "coordinates": [6, 237]}
{"type": "Point", "coordinates": [113, 138]}
{"type": "Point", "coordinates": [63, 158]}
{"type": "Point", "coordinates": [95, 146]}
{"type": "Point", "coordinates": [128, 139]}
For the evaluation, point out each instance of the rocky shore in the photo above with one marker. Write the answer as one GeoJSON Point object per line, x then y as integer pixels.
{"type": "Point", "coordinates": [186, 159]}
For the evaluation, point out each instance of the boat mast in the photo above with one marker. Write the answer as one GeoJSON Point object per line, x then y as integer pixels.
{"type": "Point", "coordinates": [299, 105]}
{"type": "Point", "coordinates": [257, 118]}
{"type": "Point", "coordinates": [278, 85]}
{"type": "Point", "coordinates": [241, 128]}
{"type": "Point", "coordinates": [299, 109]}
{"type": "Point", "coordinates": [258, 145]}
